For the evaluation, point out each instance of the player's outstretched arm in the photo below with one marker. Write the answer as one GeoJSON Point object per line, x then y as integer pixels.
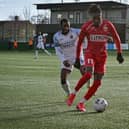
{"type": "Point", "coordinates": [117, 40]}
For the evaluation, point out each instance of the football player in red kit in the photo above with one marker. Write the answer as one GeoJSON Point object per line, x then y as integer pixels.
{"type": "Point", "coordinates": [97, 31]}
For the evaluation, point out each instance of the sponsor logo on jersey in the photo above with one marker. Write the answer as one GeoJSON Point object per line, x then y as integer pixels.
{"type": "Point", "coordinates": [68, 44]}
{"type": "Point", "coordinates": [71, 36]}
{"type": "Point", "coordinates": [97, 38]}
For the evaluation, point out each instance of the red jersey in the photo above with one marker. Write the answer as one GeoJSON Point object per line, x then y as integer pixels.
{"type": "Point", "coordinates": [97, 37]}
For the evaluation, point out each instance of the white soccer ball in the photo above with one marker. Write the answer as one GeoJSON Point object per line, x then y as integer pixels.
{"type": "Point", "coordinates": [100, 104]}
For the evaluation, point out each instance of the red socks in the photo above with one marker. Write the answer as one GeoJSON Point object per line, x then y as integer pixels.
{"type": "Point", "coordinates": [83, 80]}
{"type": "Point", "coordinates": [92, 89]}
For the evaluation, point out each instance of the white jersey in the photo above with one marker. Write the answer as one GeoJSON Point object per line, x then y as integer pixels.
{"type": "Point", "coordinates": [40, 44]}
{"type": "Point", "coordinates": [65, 45]}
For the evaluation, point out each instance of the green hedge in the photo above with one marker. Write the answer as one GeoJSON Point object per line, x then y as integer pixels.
{"type": "Point", "coordinates": [4, 45]}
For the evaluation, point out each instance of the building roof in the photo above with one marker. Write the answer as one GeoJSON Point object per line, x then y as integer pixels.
{"type": "Point", "coordinates": [80, 5]}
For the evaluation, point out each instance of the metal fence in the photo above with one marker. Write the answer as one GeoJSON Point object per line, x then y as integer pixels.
{"type": "Point", "coordinates": [16, 30]}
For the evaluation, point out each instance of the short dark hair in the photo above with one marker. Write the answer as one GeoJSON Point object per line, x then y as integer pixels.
{"type": "Point", "coordinates": [94, 8]}
{"type": "Point", "coordinates": [64, 20]}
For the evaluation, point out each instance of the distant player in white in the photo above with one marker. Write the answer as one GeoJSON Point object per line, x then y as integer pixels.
{"type": "Point", "coordinates": [65, 42]}
{"type": "Point", "coordinates": [40, 45]}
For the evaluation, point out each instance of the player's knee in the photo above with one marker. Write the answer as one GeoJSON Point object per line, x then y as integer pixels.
{"type": "Point", "coordinates": [88, 75]}
{"type": "Point", "coordinates": [98, 76]}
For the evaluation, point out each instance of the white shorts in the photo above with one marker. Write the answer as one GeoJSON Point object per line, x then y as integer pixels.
{"type": "Point", "coordinates": [40, 45]}
{"type": "Point", "coordinates": [72, 64]}
{"type": "Point", "coordinates": [68, 68]}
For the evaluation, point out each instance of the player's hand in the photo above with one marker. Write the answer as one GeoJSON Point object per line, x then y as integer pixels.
{"type": "Point", "coordinates": [83, 69]}
{"type": "Point", "coordinates": [66, 63]}
{"type": "Point", "coordinates": [77, 64]}
{"type": "Point", "coordinates": [120, 58]}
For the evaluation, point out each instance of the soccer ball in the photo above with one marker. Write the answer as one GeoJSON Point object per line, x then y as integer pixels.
{"type": "Point", "coordinates": [100, 104]}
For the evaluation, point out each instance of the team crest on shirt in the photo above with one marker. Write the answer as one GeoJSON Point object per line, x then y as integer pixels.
{"type": "Point", "coordinates": [105, 28]}
{"type": "Point", "coordinates": [71, 36]}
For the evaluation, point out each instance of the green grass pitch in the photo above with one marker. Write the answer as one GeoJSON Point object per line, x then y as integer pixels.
{"type": "Point", "coordinates": [31, 96]}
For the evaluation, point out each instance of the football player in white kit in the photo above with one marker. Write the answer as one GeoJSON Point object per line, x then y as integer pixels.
{"type": "Point", "coordinates": [65, 42]}
{"type": "Point", "coordinates": [40, 45]}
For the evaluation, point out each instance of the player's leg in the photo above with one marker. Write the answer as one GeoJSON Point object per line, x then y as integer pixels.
{"type": "Point", "coordinates": [99, 70]}
{"type": "Point", "coordinates": [86, 76]}
{"type": "Point", "coordinates": [37, 47]}
{"type": "Point", "coordinates": [64, 80]}
{"type": "Point", "coordinates": [79, 84]}
{"type": "Point", "coordinates": [83, 71]}
{"type": "Point", "coordinates": [89, 63]}
{"type": "Point", "coordinates": [36, 53]}
{"type": "Point", "coordinates": [96, 84]}
{"type": "Point", "coordinates": [91, 91]}
{"type": "Point", "coordinates": [99, 73]}
{"type": "Point", "coordinates": [46, 51]}
{"type": "Point", "coordinates": [43, 48]}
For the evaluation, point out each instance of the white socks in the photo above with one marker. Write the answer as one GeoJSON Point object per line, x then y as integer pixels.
{"type": "Point", "coordinates": [36, 54]}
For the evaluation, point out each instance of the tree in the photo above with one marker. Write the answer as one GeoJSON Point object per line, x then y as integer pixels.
{"type": "Point", "coordinates": [43, 18]}
{"type": "Point", "coordinates": [27, 13]}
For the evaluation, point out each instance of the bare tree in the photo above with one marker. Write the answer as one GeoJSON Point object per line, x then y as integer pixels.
{"type": "Point", "coordinates": [42, 18]}
{"type": "Point", "coordinates": [27, 13]}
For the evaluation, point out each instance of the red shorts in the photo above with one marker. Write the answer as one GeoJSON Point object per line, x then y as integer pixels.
{"type": "Point", "coordinates": [98, 62]}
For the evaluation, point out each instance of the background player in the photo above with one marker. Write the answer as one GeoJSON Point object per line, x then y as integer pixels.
{"type": "Point", "coordinates": [40, 45]}
{"type": "Point", "coordinates": [97, 31]}
{"type": "Point", "coordinates": [65, 42]}
{"type": "Point", "coordinates": [15, 44]}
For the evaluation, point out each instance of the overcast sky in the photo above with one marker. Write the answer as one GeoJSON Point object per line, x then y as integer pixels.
{"type": "Point", "coordinates": [16, 7]}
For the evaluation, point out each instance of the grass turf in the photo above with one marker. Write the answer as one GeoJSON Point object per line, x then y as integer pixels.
{"type": "Point", "coordinates": [31, 96]}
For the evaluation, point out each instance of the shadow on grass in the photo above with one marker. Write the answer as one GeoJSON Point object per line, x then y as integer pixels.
{"type": "Point", "coordinates": [43, 115]}
{"type": "Point", "coordinates": [29, 106]}
{"type": "Point", "coordinates": [34, 111]}
{"type": "Point", "coordinates": [76, 112]}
